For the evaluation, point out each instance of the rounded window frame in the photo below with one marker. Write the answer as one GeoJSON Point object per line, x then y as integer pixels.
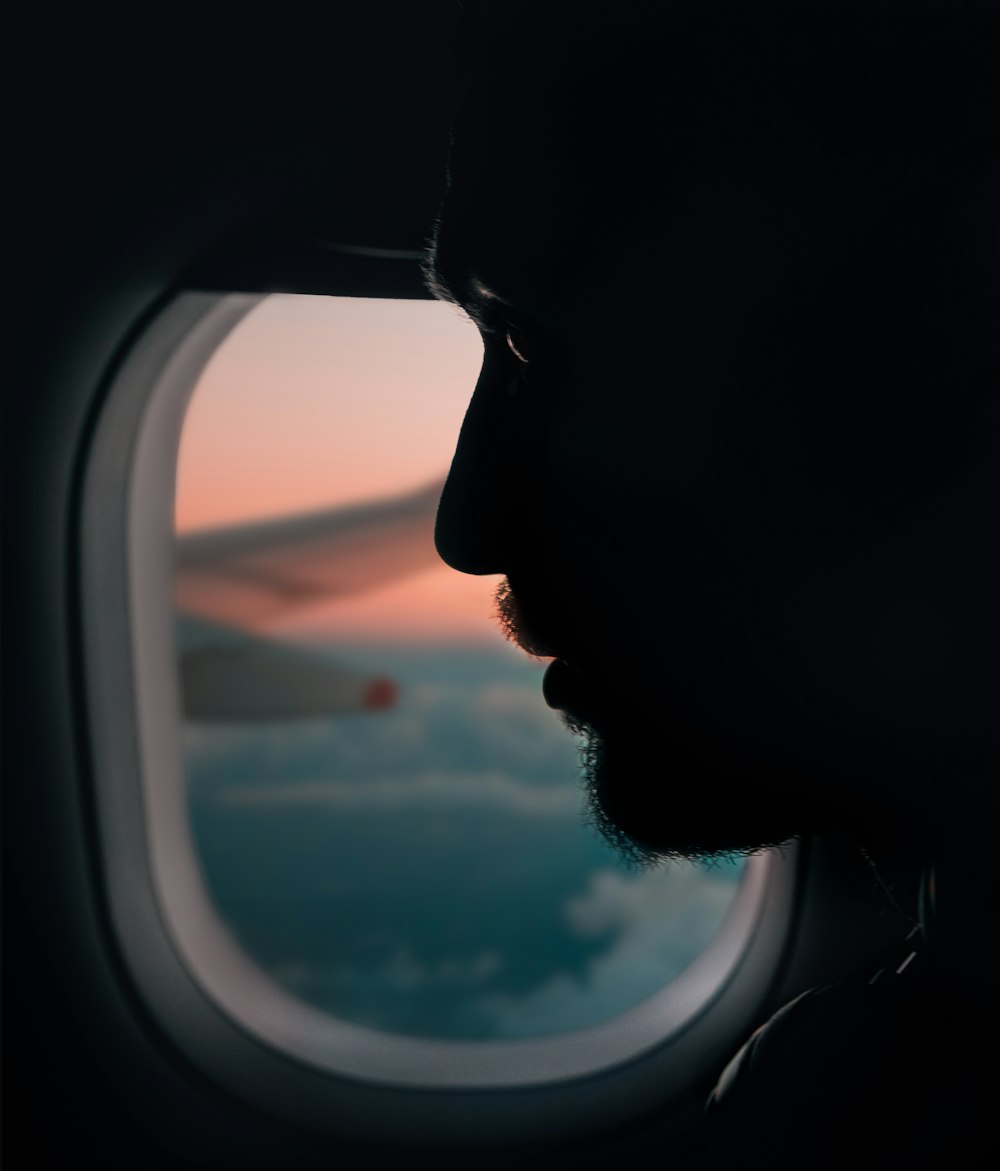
{"type": "Point", "coordinates": [219, 1008]}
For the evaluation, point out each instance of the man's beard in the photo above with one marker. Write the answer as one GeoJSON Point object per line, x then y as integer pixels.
{"type": "Point", "coordinates": [658, 786]}
{"type": "Point", "coordinates": [658, 798]}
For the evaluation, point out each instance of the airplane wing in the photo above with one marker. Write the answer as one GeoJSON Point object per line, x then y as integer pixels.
{"type": "Point", "coordinates": [249, 574]}
{"type": "Point", "coordinates": [230, 580]}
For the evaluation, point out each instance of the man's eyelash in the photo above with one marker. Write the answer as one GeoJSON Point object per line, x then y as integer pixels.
{"type": "Point", "coordinates": [511, 334]}
{"type": "Point", "coordinates": [513, 347]}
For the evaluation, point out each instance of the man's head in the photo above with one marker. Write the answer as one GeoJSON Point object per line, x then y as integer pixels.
{"type": "Point", "coordinates": [735, 442]}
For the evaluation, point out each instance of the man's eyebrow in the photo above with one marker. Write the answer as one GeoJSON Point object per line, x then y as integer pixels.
{"type": "Point", "coordinates": [434, 278]}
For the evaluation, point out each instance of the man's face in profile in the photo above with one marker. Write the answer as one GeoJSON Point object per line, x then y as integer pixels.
{"type": "Point", "coordinates": [711, 461]}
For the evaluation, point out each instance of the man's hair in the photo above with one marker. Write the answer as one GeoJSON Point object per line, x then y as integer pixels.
{"type": "Point", "coordinates": [874, 123]}
{"type": "Point", "coordinates": [871, 112]}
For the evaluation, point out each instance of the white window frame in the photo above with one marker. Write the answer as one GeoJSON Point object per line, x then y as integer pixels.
{"type": "Point", "coordinates": [220, 1009]}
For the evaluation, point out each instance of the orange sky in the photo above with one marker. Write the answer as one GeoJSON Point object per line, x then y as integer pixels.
{"type": "Point", "coordinates": [316, 401]}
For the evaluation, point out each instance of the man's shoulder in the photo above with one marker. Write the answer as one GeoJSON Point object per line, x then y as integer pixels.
{"type": "Point", "coordinates": [874, 1070]}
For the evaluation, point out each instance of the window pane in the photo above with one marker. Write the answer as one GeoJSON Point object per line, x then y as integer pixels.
{"type": "Point", "coordinates": [387, 815]}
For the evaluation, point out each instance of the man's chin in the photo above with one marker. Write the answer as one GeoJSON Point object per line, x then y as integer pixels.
{"type": "Point", "coordinates": [672, 800]}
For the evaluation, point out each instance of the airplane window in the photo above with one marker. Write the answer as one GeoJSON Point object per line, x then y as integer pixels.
{"type": "Point", "coordinates": [385, 813]}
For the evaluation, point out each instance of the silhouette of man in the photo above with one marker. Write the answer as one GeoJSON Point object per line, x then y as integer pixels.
{"type": "Point", "coordinates": [736, 440]}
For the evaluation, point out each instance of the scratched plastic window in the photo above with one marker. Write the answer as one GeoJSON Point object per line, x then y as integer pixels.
{"type": "Point", "coordinates": [386, 814]}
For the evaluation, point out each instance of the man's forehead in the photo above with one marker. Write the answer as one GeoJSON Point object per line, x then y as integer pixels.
{"type": "Point", "coordinates": [728, 236]}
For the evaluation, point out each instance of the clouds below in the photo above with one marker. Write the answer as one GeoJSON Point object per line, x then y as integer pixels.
{"type": "Point", "coordinates": [615, 902]}
{"type": "Point", "coordinates": [656, 923]}
{"type": "Point", "coordinates": [427, 870]}
{"type": "Point", "coordinates": [402, 794]}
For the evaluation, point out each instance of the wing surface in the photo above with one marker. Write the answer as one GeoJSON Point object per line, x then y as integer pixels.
{"type": "Point", "coordinates": [230, 580]}
{"type": "Point", "coordinates": [249, 574]}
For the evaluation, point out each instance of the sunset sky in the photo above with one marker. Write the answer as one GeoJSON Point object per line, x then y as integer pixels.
{"type": "Point", "coordinates": [316, 401]}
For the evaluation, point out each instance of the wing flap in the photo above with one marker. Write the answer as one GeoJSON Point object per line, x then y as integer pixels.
{"type": "Point", "coordinates": [226, 676]}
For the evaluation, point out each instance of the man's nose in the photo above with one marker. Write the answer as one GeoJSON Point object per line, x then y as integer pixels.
{"type": "Point", "coordinates": [485, 492]}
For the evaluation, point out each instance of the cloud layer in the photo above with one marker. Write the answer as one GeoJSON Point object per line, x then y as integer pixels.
{"type": "Point", "coordinates": [427, 870]}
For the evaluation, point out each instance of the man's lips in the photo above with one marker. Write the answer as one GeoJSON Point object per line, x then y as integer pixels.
{"type": "Point", "coordinates": [535, 621]}
{"type": "Point", "coordinates": [564, 687]}
{"type": "Point", "coordinates": [594, 694]}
